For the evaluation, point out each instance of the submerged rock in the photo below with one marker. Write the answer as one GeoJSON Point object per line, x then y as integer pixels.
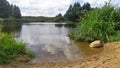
{"type": "Point", "coordinates": [96, 44]}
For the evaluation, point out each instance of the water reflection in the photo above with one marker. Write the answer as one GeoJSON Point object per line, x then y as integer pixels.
{"type": "Point", "coordinates": [59, 25]}
{"type": "Point", "coordinates": [11, 27]}
{"type": "Point", "coordinates": [50, 42]}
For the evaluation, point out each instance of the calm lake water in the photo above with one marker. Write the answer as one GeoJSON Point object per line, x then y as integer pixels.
{"type": "Point", "coordinates": [50, 41]}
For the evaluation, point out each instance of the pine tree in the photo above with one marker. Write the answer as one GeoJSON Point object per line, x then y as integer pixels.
{"type": "Point", "coordinates": [4, 9]}
{"type": "Point", "coordinates": [73, 12]}
{"type": "Point", "coordinates": [76, 11]}
{"type": "Point", "coordinates": [7, 10]}
{"type": "Point", "coordinates": [69, 13]}
{"type": "Point", "coordinates": [86, 6]}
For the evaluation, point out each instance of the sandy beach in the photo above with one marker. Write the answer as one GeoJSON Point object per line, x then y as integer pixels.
{"type": "Point", "coordinates": [109, 58]}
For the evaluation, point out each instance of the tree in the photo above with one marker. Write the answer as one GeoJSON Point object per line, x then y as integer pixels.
{"type": "Point", "coordinates": [16, 12]}
{"type": "Point", "coordinates": [59, 18]}
{"type": "Point", "coordinates": [7, 10]}
{"type": "Point", "coordinates": [76, 11]}
{"type": "Point", "coordinates": [73, 12]}
{"type": "Point", "coordinates": [4, 9]}
{"type": "Point", "coordinates": [86, 6]}
{"type": "Point", "coordinates": [68, 14]}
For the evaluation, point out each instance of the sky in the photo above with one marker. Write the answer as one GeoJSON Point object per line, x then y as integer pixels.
{"type": "Point", "coordinates": [51, 8]}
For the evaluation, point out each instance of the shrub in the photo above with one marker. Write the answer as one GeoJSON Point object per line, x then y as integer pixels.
{"type": "Point", "coordinates": [98, 24]}
{"type": "Point", "coordinates": [10, 48]}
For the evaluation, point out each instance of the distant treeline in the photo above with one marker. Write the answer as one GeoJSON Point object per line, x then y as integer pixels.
{"type": "Point", "coordinates": [74, 13]}
{"type": "Point", "coordinates": [11, 13]}
{"type": "Point", "coordinates": [57, 18]}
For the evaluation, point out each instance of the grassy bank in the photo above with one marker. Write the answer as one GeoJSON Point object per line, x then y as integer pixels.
{"type": "Point", "coordinates": [10, 48]}
{"type": "Point", "coordinates": [99, 24]}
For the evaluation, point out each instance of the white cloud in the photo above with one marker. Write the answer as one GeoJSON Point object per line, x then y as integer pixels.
{"type": "Point", "coordinates": [95, 3]}
{"type": "Point", "coordinates": [50, 7]}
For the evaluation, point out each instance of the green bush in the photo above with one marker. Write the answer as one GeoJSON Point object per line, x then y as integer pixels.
{"type": "Point", "coordinates": [10, 48]}
{"type": "Point", "coordinates": [98, 24]}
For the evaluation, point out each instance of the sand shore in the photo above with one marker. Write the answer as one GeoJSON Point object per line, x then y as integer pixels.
{"type": "Point", "coordinates": [109, 58]}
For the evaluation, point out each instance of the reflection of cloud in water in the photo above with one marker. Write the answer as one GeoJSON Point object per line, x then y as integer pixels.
{"type": "Point", "coordinates": [35, 34]}
{"type": "Point", "coordinates": [70, 51]}
{"type": "Point", "coordinates": [51, 48]}
{"type": "Point", "coordinates": [49, 39]}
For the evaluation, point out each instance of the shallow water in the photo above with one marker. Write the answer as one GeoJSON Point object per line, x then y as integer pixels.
{"type": "Point", "coordinates": [50, 42]}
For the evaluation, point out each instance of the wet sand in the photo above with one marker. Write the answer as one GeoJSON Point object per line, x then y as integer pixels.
{"type": "Point", "coordinates": [108, 58]}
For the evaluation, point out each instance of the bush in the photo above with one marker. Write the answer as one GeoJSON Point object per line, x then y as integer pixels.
{"type": "Point", "coordinates": [10, 48]}
{"type": "Point", "coordinates": [98, 24]}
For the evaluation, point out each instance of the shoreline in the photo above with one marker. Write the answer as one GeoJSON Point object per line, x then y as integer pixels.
{"type": "Point", "coordinates": [109, 58]}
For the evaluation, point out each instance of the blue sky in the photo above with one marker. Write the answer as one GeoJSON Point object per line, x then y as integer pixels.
{"type": "Point", "coordinates": [51, 8]}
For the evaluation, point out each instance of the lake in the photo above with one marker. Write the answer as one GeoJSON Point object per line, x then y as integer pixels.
{"type": "Point", "coordinates": [50, 41]}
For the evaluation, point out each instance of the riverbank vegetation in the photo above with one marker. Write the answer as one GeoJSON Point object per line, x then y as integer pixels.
{"type": "Point", "coordinates": [10, 48]}
{"type": "Point", "coordinates": [99, 24]}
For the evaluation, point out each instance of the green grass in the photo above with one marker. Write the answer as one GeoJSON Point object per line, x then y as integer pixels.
{"type": "Point", "coordinates": [115, 37]}
{"type": "Point", "coordinates": [98, 24]}
{"type": "Point", "coordinates": [10, 48]}
{"type": "Point", "coordinates": [29, 53]}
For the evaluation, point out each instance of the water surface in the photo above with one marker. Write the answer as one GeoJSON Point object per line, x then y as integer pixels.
{"type": "Point", "coordinates": [50, 42]}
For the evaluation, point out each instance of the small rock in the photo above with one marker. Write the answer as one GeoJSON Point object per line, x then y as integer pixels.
{"type": "Point", "coordinates": [96, 44]}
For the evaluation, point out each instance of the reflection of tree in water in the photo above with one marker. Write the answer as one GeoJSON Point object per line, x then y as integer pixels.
{"type": "Point", "coordinates": [70, 25]}
{"type": "Point", "coordinates": [58, 25]}
{"type": "Point", "coordinates": [11, 27]}
{"type": "Point", "coordinates": [65, 25]}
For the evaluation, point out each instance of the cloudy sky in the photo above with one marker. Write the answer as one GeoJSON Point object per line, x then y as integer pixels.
{"type": "Point", "coordinates": [50, 8]}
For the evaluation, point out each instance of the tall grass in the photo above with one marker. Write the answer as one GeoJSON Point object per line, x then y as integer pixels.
{"type": "Point", "coordinates": [10, 48]}
{"type": "Point", "coordinates": [98, 24]}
